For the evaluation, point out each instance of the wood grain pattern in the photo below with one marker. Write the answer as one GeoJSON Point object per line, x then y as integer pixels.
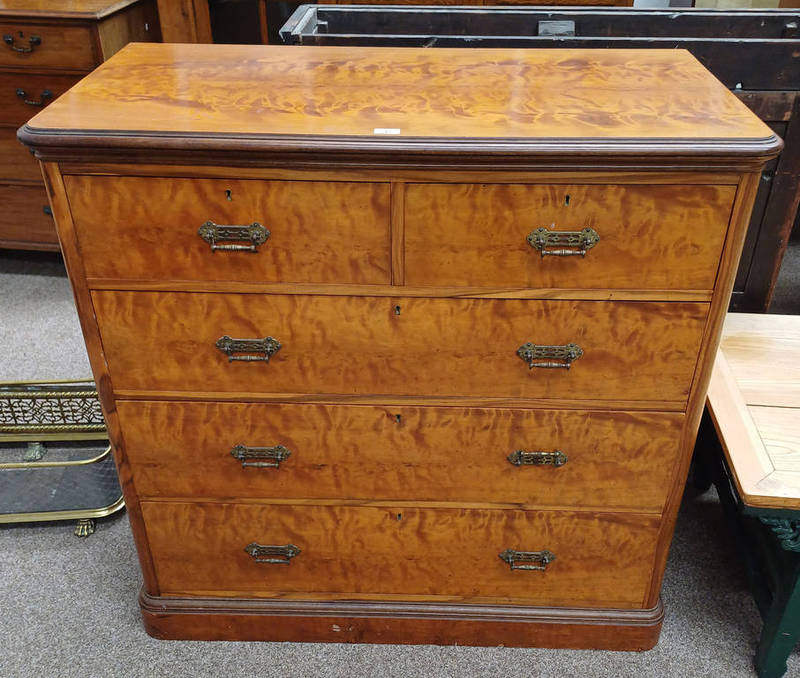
{"type": "Point", "coordinates": [475, 235]}
{"type": "Point", "coordinates": [16, 161]}
{"type": "Point", "coordinates": [137, 23]}
{"type": "Point", "coordinates": [527, 101]}
{"type": "Point", "coordinates": [441, 554]}
{"type": "Point", "coordinates": [321, 232]}
{"type": "Point", "coordinates": [61, 47]}
{"type": "Point", "coordinates": [25, 223]}
{"type": "Point", "coordinates": [461, 347]}
{"type": "Point", "coordinates": [397, 622]}
{"type": "Point", "coordinates": [13, 109]}
{"type": "Point", "coordinates": [616, 460]}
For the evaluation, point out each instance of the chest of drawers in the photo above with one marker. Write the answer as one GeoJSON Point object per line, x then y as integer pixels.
{"type": "Point", "coordinates": [47, 46]}
{"type": "Point", "coordinates": [402, 345]}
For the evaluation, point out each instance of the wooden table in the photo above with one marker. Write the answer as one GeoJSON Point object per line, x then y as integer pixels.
{"type": "Point", "coordinates": [754, 411]}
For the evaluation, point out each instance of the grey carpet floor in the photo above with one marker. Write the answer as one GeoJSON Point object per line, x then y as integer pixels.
{"type": "Point", "coordinates": [68, 606]}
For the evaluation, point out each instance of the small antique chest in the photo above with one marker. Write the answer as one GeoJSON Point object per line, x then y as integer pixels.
{"type": "Point", "coordinates": [402, 345]}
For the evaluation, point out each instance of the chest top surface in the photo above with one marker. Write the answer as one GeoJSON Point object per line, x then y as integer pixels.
{"type": "Point", "coordinates": [377, 99]}
{"type": "Point", "coordinates": [62, 9]}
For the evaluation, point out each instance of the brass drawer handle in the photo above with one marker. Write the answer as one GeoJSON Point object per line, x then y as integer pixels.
{"type": "Point", "coordinates": [254, 233]}
{"type": "Point", "coordinates": [566, 243]}
{"type": "Point", "coordinates": [45, 96]}
{"type": "Point", "coordinates": [523, 458]}
{"type": "Point", "coordinates": [33, 41]}
{"type": "Point", "coordinates": [537, 355]}
{"type": "Point", "coordinates": [273, 455]}
{"type": "Point", "coordinates": [268, 346]}
{"type": "Point", "coordinates": [269, 553]}
{"type": "Point", "coordinates": [537, 560]}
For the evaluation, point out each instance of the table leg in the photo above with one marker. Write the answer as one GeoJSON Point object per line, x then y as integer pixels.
{"type": "Point", "coordinates": [781, 625]}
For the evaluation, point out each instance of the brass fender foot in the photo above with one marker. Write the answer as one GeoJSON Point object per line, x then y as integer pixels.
{"type": "Point", "coordinates": [84, 527]}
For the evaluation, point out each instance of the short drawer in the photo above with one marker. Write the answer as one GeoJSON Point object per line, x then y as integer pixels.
{"type": "Point", "coordinates": [16, 161]}
{"type": "Point", "coordinates": [600, 559]}
{"type": "Point", "coordinates": [46, 46]}
{"type": "Point", "coordinates": [167, 341]}
{"type": "Point", "coordinates": [149, 229]}
{"type": "Point", "coordinates": [22, 95]}
{"type": "Point", "coordinates": [25, 220]}
{"type": "Point", "coordinates": [642, 236]}
{"type": "Point", "coordinates": [503, 456]}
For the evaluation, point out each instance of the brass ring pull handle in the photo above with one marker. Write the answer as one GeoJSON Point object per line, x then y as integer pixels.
{"type": "Point", "coordinates": [45, 96]}
{"type": "Point", "coordinates": [268, 346]}
{"type": "Point", "coordinates": [528, 560]}
{"type": "Point", "coordinates": [254, 234]}
{"type": "Point", "coordinates": [563, 243]}
{"type": "Point", "coordinates": [523, 458]}
{"type": "Point", "coordinates": [273, 455]}
{"type": "Point", "coordinates": [268, 553]}
{"type": "Point", "coordinates": [537, 355]}
{"type": "Point", "coordinates": [33, 41]}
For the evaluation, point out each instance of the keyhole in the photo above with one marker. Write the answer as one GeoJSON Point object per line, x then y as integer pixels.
{"type": "Point", "coordinates": [566, 200]}
{"type": "Point", "coordinates": [228, 194]}
{"type": "Point", "coordinates": [397, 418]}
{"type": "Point", "coordinates": [399, 516]}
{"type": "Point", "coordinates": [397, 310]}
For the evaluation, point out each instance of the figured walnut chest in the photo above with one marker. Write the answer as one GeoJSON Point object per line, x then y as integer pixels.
{"type": "Point", "coordinates": [402, 345]}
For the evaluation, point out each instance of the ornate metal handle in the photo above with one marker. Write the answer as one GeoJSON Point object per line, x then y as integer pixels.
{"type": "Point", "coordinates": [254, 233]}
{"type": "Point", "coordinates": [567, 243]}
{"type": "Point", "coordinates": [33, 41]}
{"type": "Point", "coordinates": [523, 458]}
{"type": "Point", "coordinates": [537, 355]}
{"type": "Point", "coordinates": [538, 560]}
{"type": "Point", "coordinates": [43, 99]}
{"type": "Point", "coordinates": [268, 346]}
{"type": "Point", "coordinates": [268, 553]}
{"type": "Point", "coordinates": [274, 455]}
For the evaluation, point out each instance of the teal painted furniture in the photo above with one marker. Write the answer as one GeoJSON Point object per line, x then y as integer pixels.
{"type": "Point", "coordinates": [749, 446]}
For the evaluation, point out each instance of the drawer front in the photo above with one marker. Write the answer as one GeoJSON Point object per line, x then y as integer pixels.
{"type": "Point", "coordinates": [46, 46]}
{"type": "Point", "coordinates": [319, 232]}
{"type": "Point", "coordinates": [601, 560]}
{"type": "Point", "coordinates": [39, 90]}
{"type": "Point", "coordinates": [166, 341]}
{"type": "Point", "coordinates": [570, 458]}
{"type": "Point", "coordinates": [659, 237]}
{"type": "Point", "coordinates": [16, 161]}
{"type": "Point", "coordinates": [23, 221]}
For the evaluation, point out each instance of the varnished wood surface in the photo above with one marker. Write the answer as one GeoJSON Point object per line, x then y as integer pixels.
{"type": "Point", "coordinates": [398, 622]}
{"type": "Point", "coordinates": [650, 236]}
{"type": "Point", "coordinates": [63, 9]}
{"type": "Point", "coordinates": [323, 232]}
{"type": "Point", "coordinates": [185, 21]}
{"type": "Point", "coordinates": [25, 223]}
{"type": "Point", "coordinates": [61, 46]}
{"type": "Point", "coordinates": [13, 109]}
{"type": "Point", "coordinates": [615, 460]}
{"type": "Point", "coordinates": [265, 98]}
{"type": "Point", "coordinates": [602, 559]}
{"type": "Point", "coordinates": [136, 23]}
{"type": "Point", "coordinates": [366, 345]}
{"type": "Point", "coordinates": [16, 161]}
{"type": "Point", "coordinates": [754, 401]}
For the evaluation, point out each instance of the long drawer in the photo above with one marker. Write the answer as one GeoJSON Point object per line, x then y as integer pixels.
{"type": "Point", "coordinates": [46, 46]}
{"type": "Point", "coordinates": [520, 457]}
{"type": "Point", "coordinates": [22, 95]}
{"type": "Point", "coordinates": [167, 341]}
{"type": "Point", "coordinates": [639, 236]}
{"type": "Point", "coordinates": [25, 220]}
{"type": "Point", "coordinates": [600, 559]}
{"type": "Point", "coordinates": [318, 232]}
{"type": "Point", "coordinates": [16, 162]}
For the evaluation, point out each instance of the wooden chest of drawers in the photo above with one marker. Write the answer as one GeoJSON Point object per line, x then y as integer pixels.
{"type": "Point", "coordinates": [402, 345]}
{"type": "Point", "coordinates": [48, 46]}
